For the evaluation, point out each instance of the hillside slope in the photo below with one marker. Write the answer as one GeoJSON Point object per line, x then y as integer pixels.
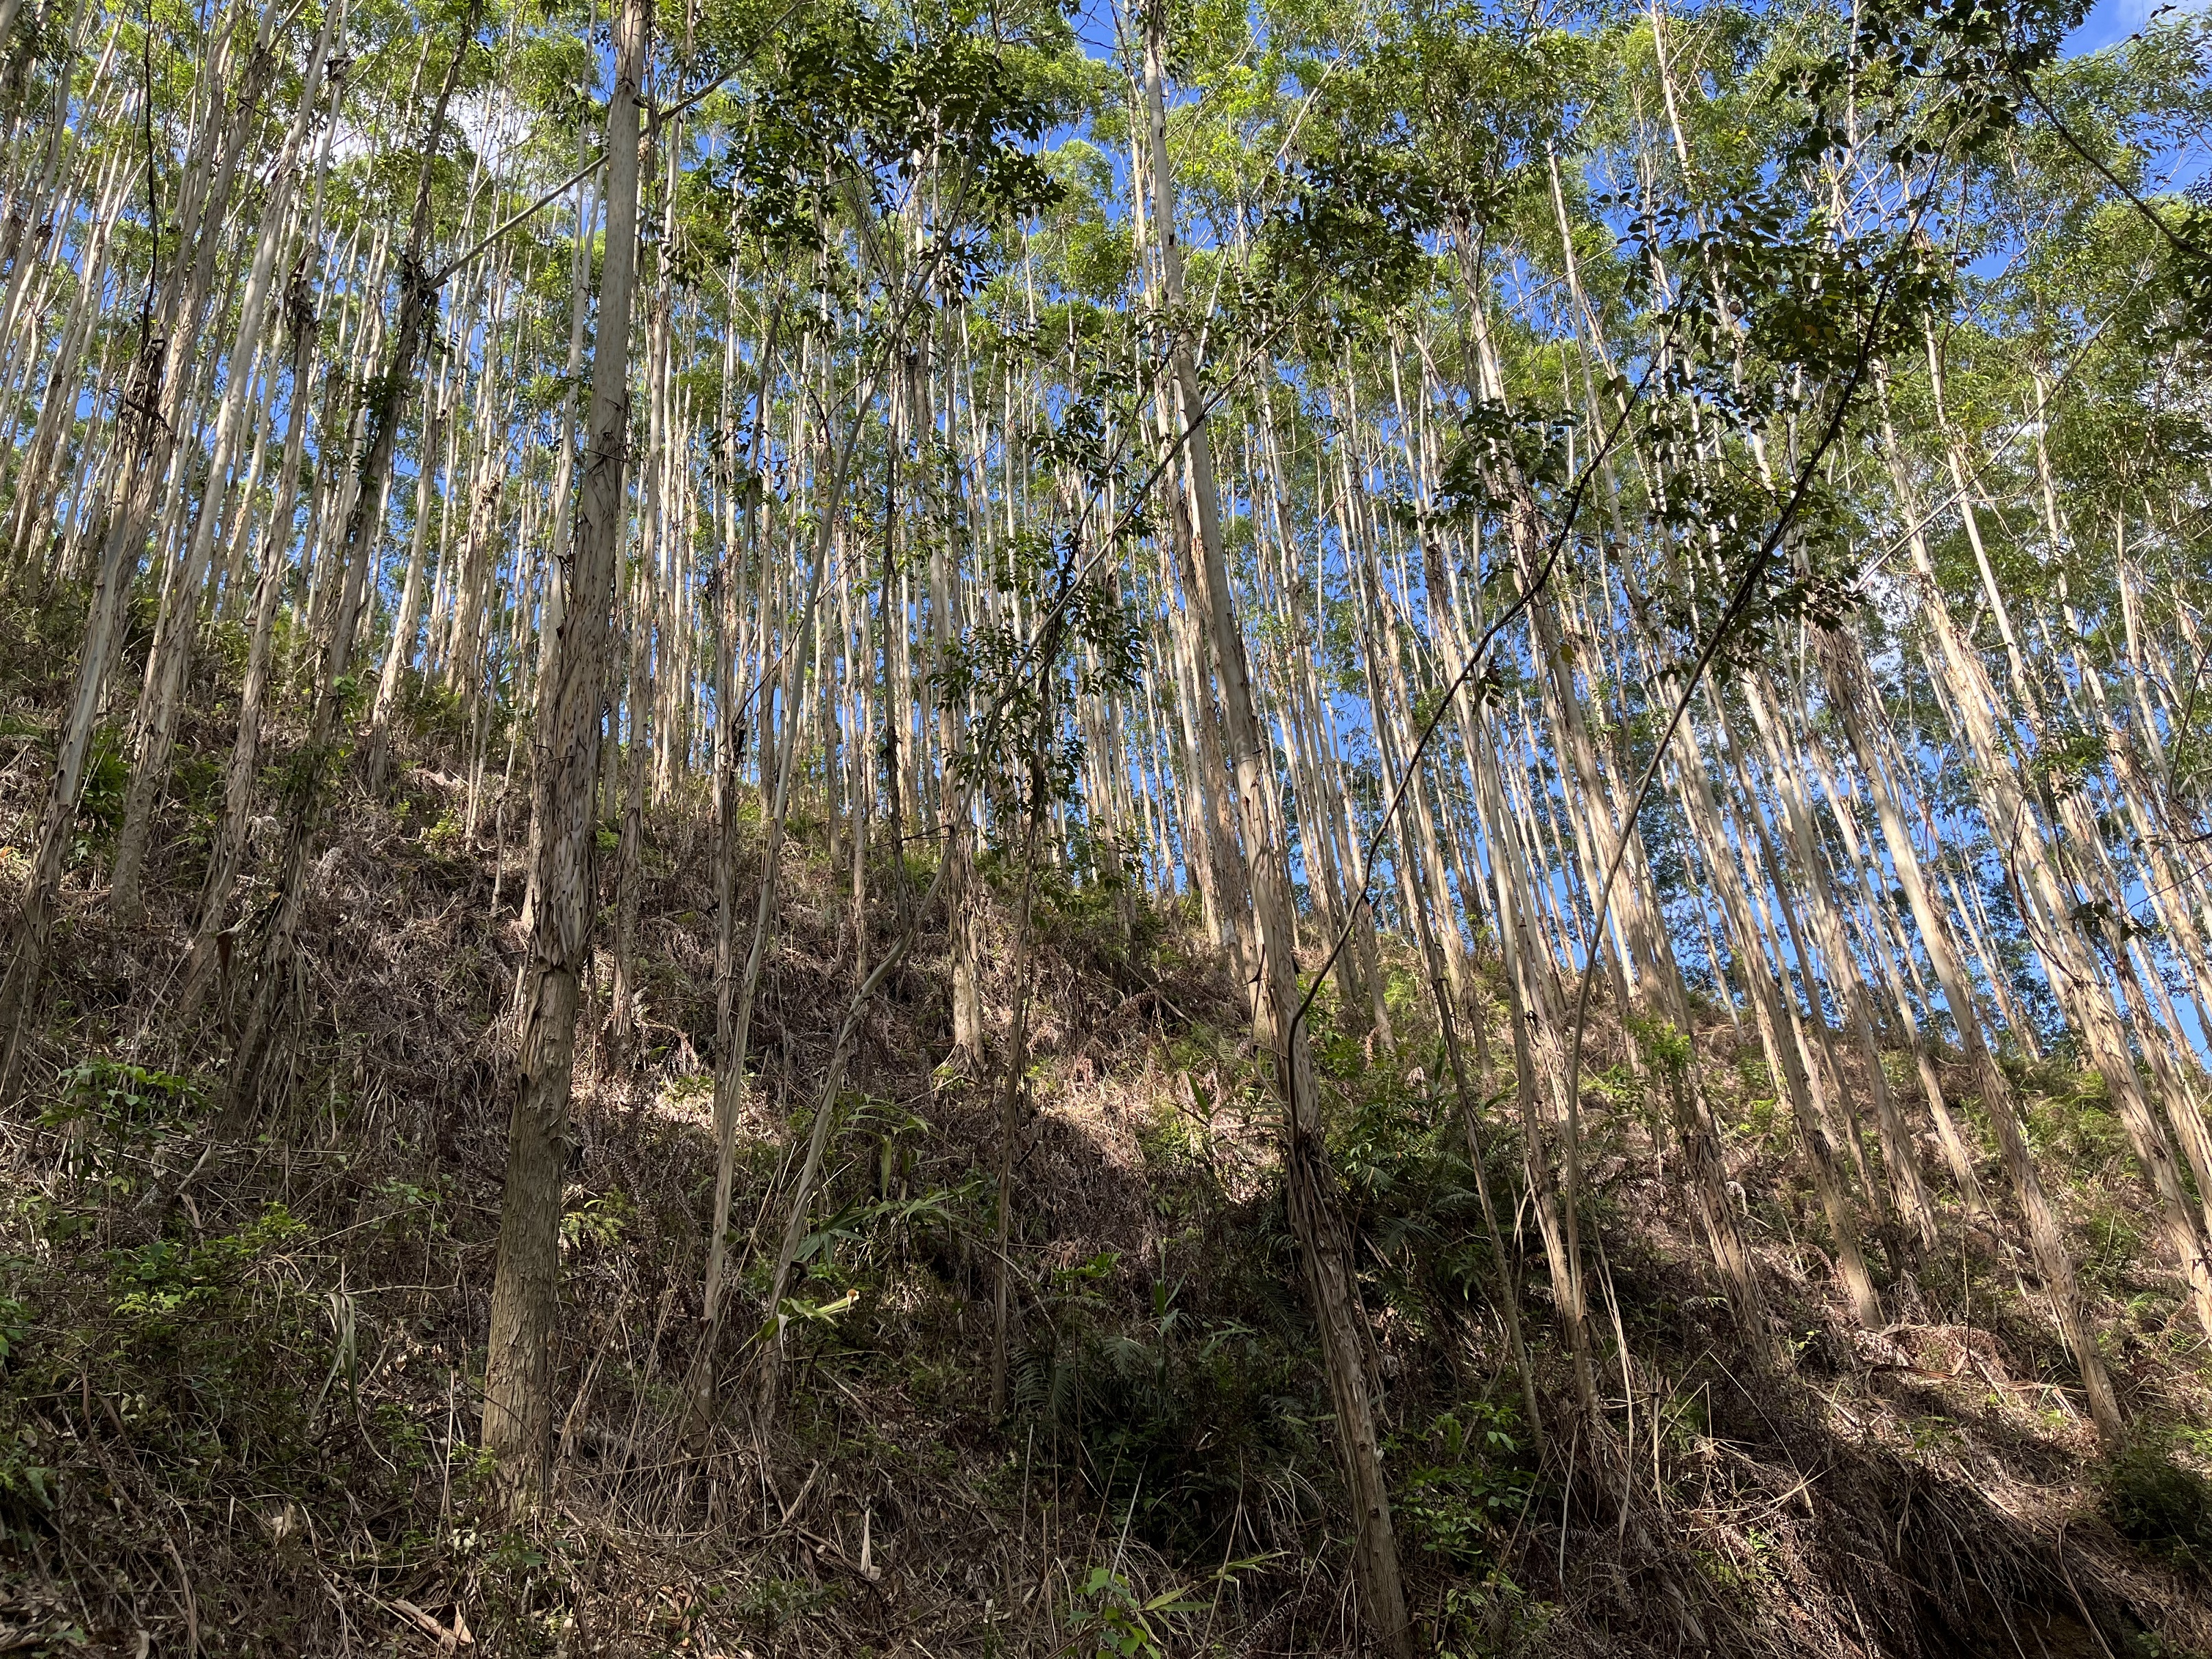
{"type": "Point", "coordinates": [241, 1354]}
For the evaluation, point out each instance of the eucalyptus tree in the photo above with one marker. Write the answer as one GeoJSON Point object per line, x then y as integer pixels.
{"type": "Point", "coordinates": [1693, 522]}
{"type": "Point", "coordinates": [885, 140]}
{"type": "Point", "coordinates": [521, 1367]}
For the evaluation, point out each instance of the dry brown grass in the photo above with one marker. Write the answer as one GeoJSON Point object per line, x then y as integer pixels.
{"type": "Point", "coordinates": [289, 1469]}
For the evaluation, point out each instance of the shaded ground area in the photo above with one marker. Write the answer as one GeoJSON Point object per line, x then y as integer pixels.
{"type": "Point", "coordinates": [238, 1398]}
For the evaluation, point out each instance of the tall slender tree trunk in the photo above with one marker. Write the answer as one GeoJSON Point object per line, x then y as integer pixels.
{"type": "Point", "coordinates": [364, 533]}
{"type": "Point", "coordinates": [154, 726]}
{"type": "Point", "coordinates": [1013, 1083]}
{"type": "Point", "coordinates": [1315, 1209]}
{"type": "Point", "coordinates": [2047, 1245]}
{"type": "Point", "coordinates": [521, 1362]}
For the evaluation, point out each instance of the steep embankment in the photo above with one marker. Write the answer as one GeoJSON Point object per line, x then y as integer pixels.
{"type": "Point", "coordinates": [237, 1397]}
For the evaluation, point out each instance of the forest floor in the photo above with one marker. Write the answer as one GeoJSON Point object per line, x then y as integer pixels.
{"type": "Point", "coordinates": [244, 1421]}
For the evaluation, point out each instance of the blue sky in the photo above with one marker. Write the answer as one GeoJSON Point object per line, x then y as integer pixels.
{"type": "Point", "coordinates": [2116, 20]}
{"type": "Point", "coordinates": [2111, 20]}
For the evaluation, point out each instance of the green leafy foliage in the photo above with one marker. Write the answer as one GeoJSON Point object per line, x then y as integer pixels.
{"type": "Point", "coordinates": [1113, 1621]}
{"type": "Point", "coordinates": [113, 1114]}
{"type": "Point", "coordinates": [1464, 1483]}
{"type": "Point", "coordinates": [2153, 1498]}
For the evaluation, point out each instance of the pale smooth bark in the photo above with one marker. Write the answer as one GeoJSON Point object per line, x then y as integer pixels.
{"type": "Point", "coordinates": [1315, 1209]}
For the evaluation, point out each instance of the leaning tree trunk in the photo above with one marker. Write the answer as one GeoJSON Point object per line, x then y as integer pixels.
{"type": "Point", "coordinates": [227, 852]}
{"type": "Point", "coordinates": [142, 435]}
{"type": "Point", "coordinates": [350, 572]}
{"type": "Point", "coordinates": [149, 417]}
{"type": "Point", "coordinates": [2054, 1262]}
{"type": "Point", "coordinates": [1316, 1213]}
{"type": "Point", "coordinates": [155, 727]}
